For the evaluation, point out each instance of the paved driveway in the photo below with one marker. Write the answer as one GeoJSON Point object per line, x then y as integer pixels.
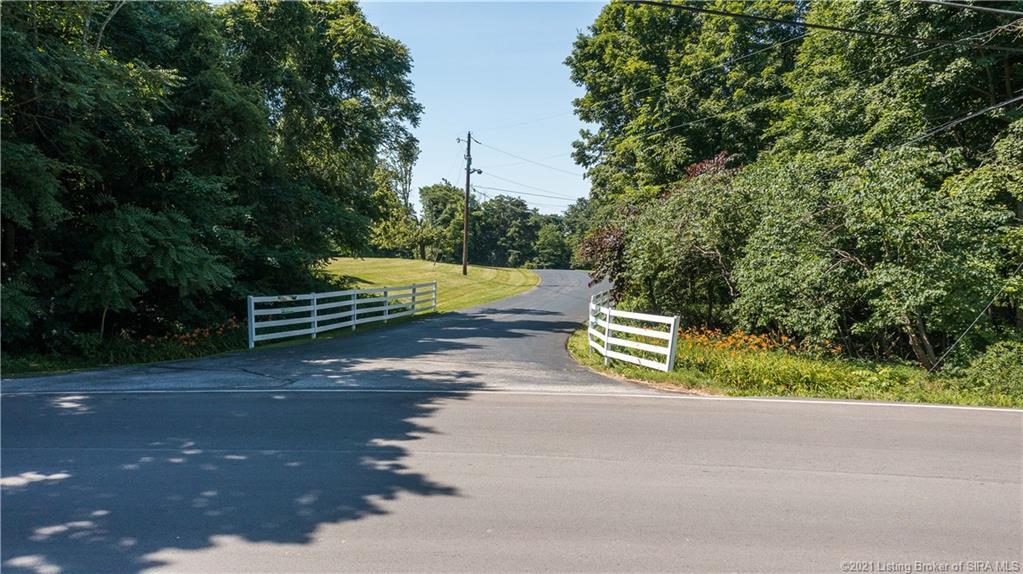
{"type": "Point", "coordinates": [514, 344]}
{"type": "Point", "coordinates": [415, 466]}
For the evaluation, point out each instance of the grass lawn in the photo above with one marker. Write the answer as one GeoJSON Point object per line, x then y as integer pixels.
{"type": "Point", "coordinates": [708, 370]}
{"type": "Point", "coordinates": [454, 290]}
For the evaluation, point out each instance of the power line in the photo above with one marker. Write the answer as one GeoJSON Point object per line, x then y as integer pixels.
{"type": "Point", "coordinates": [801, 24]}
{"type": "Point", "coordinates": [955, 122]}
{"type": "Point", "coordinates": [977, 318]}
{"type": "Point", "coordinates": [557, 155]}
{"type": "Point", "coordinates": [527, 160]}
{"type": "Point", "coordinates": [994, 30]}
{"type": "Point", "coordinates": [973, 7]}
{"type": "Point", "coordinates": [522, 192]}
{"type": "Point", "coordinates": [753, 105]}
{"type": "Point", "coordinates": [744, 108]}
{"type": "Point", "coordinates": [528, 202]}
{"type": "Point", "coordinates": [728, 62]}
{"type": "Point", "coordinates": [513, 182]}
{"type": "Point", "coordinates": [469, 170]}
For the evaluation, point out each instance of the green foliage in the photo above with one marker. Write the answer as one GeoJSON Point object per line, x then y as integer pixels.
{"type": "Point", "coordinates": [578, 220]}
{"type": "Point", "coordinates": [683, 248]}
{"type": "Point", "coordinates": [787, 278]}
{"type": "Point", "coordinates": [443, 205]}
{"type": "Point", "coordinates": [786, 191]}
{"type": "Point", "coordinates": [651, 81]}
{"type": "Point", "coordinates": [999, 371]}
{"type": "Point", "coordinates": [507, 231]}
{"type": "Point", "coordinates": [504, 231]}
{"type": "Point", "coordinates": [85, 350]}
{"type": "Point", "coordinates": [161, 160]}
{"type": "Point", "coordinates": [751, 372]}
{"type": "Point", "coordinates": [551, 248]}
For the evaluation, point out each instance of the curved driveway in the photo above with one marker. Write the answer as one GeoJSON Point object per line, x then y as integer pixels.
{"type": "Point", "coordinates": [517, 343]}
{"type": "Point", "coordinates": [416, 468]}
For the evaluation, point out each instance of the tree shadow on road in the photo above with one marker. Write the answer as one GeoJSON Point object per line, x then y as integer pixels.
{"type": "Point", "coordinates": [128, 476]}
{"type": "Point", "coordinates": [464, 341]}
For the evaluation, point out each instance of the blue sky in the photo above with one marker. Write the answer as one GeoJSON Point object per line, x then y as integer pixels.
{"type": "Point", "coordinates": [487, 66]}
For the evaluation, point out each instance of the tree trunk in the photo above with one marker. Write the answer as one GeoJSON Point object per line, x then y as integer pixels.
{"type": "Point", "coordinates": [103, 322]}
{"type": "Point", "coordinates": [710, 304]}
{"type": "Point", "coordinates": [918, 340]}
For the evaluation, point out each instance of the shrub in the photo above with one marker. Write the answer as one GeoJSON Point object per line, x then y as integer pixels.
{"type": "Point", "coordinates": [89, 350]}
{"type": "Point", "coordinates": [749, 364]}
{"type": "Point", "coordinates": [999, 370]}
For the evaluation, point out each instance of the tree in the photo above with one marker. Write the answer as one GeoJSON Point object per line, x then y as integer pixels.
{"type": "Point", "coordinates": [161, 160]}
{"type": "Point", "coordinates": [578, 219]}
{"type": "Point", "coordinates": [877, 94]}
{"type": "Point", "coordinates": [507, 232]}
{"type": "Point", "coordinates": [813, 209]}
{"type": "Point", "coordinates": [653, 76]}
{"type": "Point", "coordinates": [336, 92]}
{"type": "Point", "coordinates": [551, 250]}
{"type": "Point", "coordinates": [442, 211]}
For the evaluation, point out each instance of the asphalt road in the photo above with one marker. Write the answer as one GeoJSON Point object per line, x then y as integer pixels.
{"type": "Point", "coordinates": [470, 442]}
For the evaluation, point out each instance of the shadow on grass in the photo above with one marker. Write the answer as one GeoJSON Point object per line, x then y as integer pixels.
{"type": "Point", "coordinates": [351, 281]}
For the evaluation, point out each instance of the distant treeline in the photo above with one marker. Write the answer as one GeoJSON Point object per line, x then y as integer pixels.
{"type": "Point", "coordinates": [504, 231]}
{"type": "Point", "coordinates": [836, 188]}
{"type": "Point", "coordinates": [163, 159]}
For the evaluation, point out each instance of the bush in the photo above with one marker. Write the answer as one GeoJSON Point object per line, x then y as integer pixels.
{"type": "Point", "coordinates": [89, 350]}
{"type": "Point", "coordinates": [741, 363]}
{"type": "Point", "coordinates": [999, 370]}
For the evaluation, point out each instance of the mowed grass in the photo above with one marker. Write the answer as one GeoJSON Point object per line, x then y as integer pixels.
{"type": "Point", "coordinates": [454, 290]}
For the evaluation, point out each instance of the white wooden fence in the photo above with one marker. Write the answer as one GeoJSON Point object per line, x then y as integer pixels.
{"type": "Point", "coordinates": [649, 336]}
{"type": "Point", "coordinates": [279, 316]}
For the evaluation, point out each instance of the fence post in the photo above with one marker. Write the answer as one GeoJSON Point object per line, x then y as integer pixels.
{"type": "Point", "coordinates": [355, 308]}
{"type": "Point", "coordinates": [607, 335]}
{"type": "Point", "coordinates": [387, 305]}
{"type": "Point", "coordinates": [315, 325]}
{"type": "Point", "coordinates": [413, 298]}
{"type": "Point", "coordinates": [589, 325]}
{"type": "Point", "coordinates": [673, 341]}
{"type": "Point", "coordinates": [436, 298]}
{"type": "Point", "coordinates": [251, 306]}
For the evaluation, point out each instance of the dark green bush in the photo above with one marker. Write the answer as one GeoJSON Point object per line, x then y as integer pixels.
{"type": "Point", "coordinates": [999, 370]}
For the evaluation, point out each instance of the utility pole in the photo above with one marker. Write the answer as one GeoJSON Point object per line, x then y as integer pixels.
{"type": "Point", "coordinates": [465, 212]}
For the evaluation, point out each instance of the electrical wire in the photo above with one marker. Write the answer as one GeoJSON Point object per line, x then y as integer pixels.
{"type": "Point", "coordinates": [798, 23]}
{"type": "Point", "coordinates": [955, 122]}
{"type": "Point", "coordinates": [557, 155]}
{"type": "Point", "coordinates": [936, 130]}
{"type": "Point", "coordinates": [528, 202]}
{"type": "Point", "coordinates": [527, 160]}
{"type": "Point", "coordinates": [524, 192]}
{"type": "Point", "coordinates": [973, 7]}
{"type": "Point", "coordinates": [787, 93]}
{"type": "Point", "coordinates": [977, 318]}
{"type": "Point", "coordinates": [729, 62]}
{"type": "Point", "coordinates": [644, 135]}
{"type": "Point", "coordinates": [511, 181]}
{"type": "Point", "coordinates": [916, 139]}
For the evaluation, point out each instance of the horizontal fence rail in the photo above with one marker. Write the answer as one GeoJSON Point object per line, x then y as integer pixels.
{"type": "Point", "coordinates": [280, 316]}
{"type": "Point", "coordinates": [637, 338]}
